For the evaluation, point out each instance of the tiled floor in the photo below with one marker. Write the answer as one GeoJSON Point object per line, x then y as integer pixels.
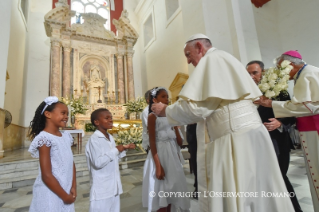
{"type": "Point", "coordinates": [23, 154]}
{"type": "Point", "coordinates": [18, 200]}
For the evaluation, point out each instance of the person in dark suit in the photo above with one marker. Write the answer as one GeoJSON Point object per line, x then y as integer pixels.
{"type": "Point", "coordinates": [278, 130]}
{"type": "Point", "coordinates": [192, 149]}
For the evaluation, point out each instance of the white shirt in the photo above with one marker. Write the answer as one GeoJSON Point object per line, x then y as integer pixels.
{"type": "Point", "coordinates": [144, 117]}
{"type": "Point", "coordinates": [103, 163]}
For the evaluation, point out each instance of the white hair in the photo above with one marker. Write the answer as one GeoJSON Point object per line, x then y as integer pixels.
{"type": "Point", "coordinates": [294, 60]}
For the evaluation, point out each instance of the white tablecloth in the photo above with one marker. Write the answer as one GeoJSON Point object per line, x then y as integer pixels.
{"type": "Point", "coordinates": [75, 131]}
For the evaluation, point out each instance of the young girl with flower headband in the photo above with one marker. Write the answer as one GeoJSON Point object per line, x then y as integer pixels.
{"type": "Point", "coordinates": [163, 172]}
{"type": "Point", "coordinates": [55, 187]}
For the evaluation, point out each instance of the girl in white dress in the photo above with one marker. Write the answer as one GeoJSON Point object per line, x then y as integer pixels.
{"type": "Point", "coordinates": [54, 189]}
{"type": "Point", "coordinates": [163, 172]}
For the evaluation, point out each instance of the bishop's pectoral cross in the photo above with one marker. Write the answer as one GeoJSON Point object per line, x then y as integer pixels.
{"type": "Point", "coordinates": [99, 101]}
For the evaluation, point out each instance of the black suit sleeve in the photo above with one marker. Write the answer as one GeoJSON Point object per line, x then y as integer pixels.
{"type": "Point", "coordinates": [289, 121]}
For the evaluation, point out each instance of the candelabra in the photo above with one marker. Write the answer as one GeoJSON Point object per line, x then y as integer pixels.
{"type": "Point", "coordinates": [113, 97]}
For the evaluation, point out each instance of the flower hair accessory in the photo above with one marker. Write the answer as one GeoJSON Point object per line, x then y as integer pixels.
{"type": "Point", "coordinates": [155, 90]}
{"type": "Point", "coordinates": [49, 101]}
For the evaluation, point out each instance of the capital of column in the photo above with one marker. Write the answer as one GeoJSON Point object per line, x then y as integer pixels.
{"type": "Point", "coordinates": [55, 43]}
{"type": "Point", "coordinates": [119, 54]}
{"type": "Point", "coordinates": [67, 48]}
{"type": "Point", "coordinates": [130, 53]}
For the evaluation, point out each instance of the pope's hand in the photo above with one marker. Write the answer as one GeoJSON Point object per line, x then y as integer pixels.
{"type": "Point", "coordinates": [264, 101]}
{"type": "Point", "coordinates": [159, 109]}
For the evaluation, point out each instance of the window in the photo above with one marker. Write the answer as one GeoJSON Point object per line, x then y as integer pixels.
{"type": "Point", "coordinates": [101, 7]}
{"type": "Point", "coordinates": [148, 31]}
{"type": "Point", "coordinates": [171, 7]}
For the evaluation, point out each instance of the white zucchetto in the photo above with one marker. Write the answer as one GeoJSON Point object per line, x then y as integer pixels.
{"type": "Point", "coordinates": [197, 36]}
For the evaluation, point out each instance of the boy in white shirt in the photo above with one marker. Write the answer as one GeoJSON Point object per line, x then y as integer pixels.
{"type": "Point", "coordinates": [103, 162]}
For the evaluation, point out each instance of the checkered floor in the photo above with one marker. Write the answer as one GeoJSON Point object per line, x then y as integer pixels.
{"type": "Point", "coordinates": [18, 200]}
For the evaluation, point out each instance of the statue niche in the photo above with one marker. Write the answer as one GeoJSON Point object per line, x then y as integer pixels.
{"type": "Point", "coordinates": [95, 85]}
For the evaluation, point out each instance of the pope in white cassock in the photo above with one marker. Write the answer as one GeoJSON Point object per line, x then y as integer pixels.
{"type": "Point", "coordinates": [235, 152]}
{"type": "Point", "coordinates": [305, 106]}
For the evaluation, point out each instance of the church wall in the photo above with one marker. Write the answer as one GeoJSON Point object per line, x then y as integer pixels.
{"type": "Point", "coordinates": [14, 134]}
{"type": "Point", "coordinates": [266, 21]}
{"type": "Point", "coordinates": [192, 24]}
{"type": "Point", "coordinates": [5, 15]}
{"type": "Point", "coordinates": [299, 28]}
{"type": "Point", "coordinates": [164, 57]}
{"type": "Point", "coordinates": [37, 59]}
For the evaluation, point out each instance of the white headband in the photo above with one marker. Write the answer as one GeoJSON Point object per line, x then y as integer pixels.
{"type": "Point", "coordinates": [49, 101]}
{"type": "Point", "coordinates": [155, 90]}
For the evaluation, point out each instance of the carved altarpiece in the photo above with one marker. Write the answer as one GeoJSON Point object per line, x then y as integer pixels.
{"type": "Point", "coordinates": [89, 61]}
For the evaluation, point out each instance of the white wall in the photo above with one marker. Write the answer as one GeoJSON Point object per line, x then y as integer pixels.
{"type": "Point", "coordinates": [266, 20]}
{"type": "Point", "coordinates": [14, 86]}
{"type": "Point", "coordinates": [164, 58]}
{"type": "Point", "coordinates": [299, 28]}
{"type": "Point", "coordinates": [5, 17]}
{"type": "Point", "coordinates": [37, 59]}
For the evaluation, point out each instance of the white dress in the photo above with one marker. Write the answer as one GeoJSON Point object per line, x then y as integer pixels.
{"type": "Point", "coordinates": [62, 169]}
{"type": "Point", "coordinates": [174, 180]}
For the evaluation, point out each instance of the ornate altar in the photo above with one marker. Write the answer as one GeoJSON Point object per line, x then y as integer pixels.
{"type": "Point", "coordinates": [90, 61]}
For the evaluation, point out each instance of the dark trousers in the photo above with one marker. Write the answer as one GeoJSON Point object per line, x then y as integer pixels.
{"type": "Point", "coordinates": [192, 149]}
{"type": "Point", "coordinates": [283, 160]}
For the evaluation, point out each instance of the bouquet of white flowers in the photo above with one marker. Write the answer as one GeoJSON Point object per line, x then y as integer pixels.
{"type": "Point", "coordinates": [275, 80]}
{"type": "Point", "coordinates": [133, 135]}
{"type": "Point", "coordinates": [76, 104]}
{"type": "Point", "coordinates": [137, 105]}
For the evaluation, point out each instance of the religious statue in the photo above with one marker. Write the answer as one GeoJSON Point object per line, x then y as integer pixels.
{"type": "Point", "coordinates": [95, 85]}
{"type": "Point", "coordinates": [95, 72]}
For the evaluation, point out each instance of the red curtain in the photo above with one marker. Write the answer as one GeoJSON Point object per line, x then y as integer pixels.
{"type": "Point", "coordinates": [259, 3]}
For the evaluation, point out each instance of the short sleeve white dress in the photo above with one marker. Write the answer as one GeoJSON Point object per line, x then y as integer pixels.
{"type": "Point", "coordinates": [62, 169]}
{"type": "Point", "coordinates": [174, 180]}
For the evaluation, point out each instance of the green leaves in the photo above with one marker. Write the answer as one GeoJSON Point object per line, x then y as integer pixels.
{"type": "Point", "coordinates": [76, 104]}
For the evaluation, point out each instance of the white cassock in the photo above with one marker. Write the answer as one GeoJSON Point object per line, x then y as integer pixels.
{"type": "Point", "coordinates": [305, 106]}
{"type": "Point", "coordinates": [235, 153]}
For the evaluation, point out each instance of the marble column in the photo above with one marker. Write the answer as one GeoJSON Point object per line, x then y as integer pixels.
{"type": "Point", "coordinates": [66, 76]}
{"type": "Point", "coordinates": [2, 117]}
{"type": "Point", "coordinates": [130, 76]}
{"type": "Point", "coordinates": [55, 77]}
{"type": "Point", "coordinates": [120, 78]}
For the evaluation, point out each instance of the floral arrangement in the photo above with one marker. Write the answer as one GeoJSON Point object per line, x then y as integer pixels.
{"type": "Point", "coordinates": [137, 105]}
{"type": "Point", "coordinates": [76, 104]}
{"type": "Point", "coordinates": [275, 80]}
{"type": "Point", "coordinates": [89, 127]}
{"type": "Point", "coordinates": [133, 135]}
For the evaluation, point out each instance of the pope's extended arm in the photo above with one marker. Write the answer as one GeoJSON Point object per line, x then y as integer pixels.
{"type": "Point", "coordinates": [289, 109]}
{"type": "Point", "coordinates": [185, 112]}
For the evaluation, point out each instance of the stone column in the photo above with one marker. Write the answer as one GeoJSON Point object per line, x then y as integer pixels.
{"type": "Point", "coordinates": [66, 76]}
{"type": "Point", "coordinates": [55, 77]}
{"type": "Point", "coordinates": [120, 78]}
{"type": "Point", "coordinates": [2, 116]}
{"type": "Point", "coordinates": [130, 76]}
